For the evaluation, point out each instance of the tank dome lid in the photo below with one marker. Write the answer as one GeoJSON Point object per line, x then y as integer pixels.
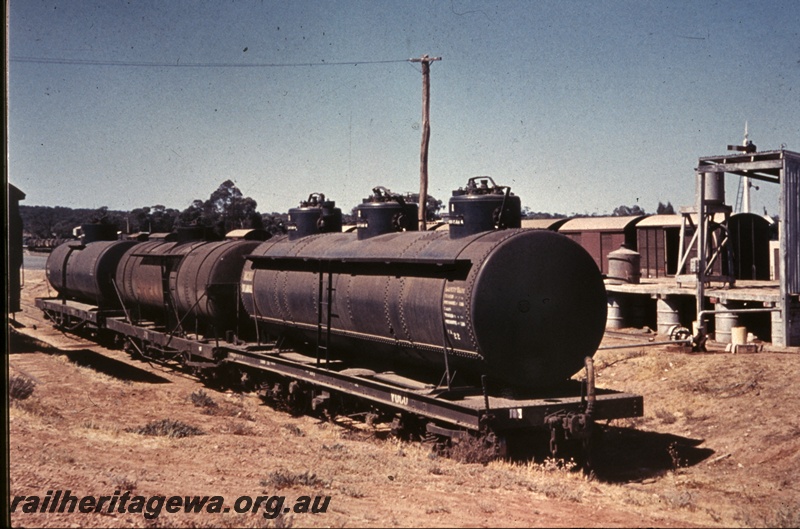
{"type": "Point", "coordinates": [385, 212]}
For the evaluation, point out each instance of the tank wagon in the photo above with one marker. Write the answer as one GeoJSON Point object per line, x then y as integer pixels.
{"type": "Point", "coordinates": [82, 272]}
{"type": "Point", "coordinates": [501, 303]}
{"type": "Point", "coordinates": [475, 329]}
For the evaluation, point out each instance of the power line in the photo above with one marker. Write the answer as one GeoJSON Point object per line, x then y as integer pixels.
{"type": "Point", "coordinates": [178, 64]}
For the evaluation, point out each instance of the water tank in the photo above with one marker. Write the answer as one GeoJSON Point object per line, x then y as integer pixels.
{"type": "Point", "coordinates": [142, 276]}
{"type": "Point", "coordinates": [714, 188]}
{"type": "Point", "coordinates": [522, 306]}
{"type": "Point", "coordinates": [205, 283]}
{"type": "Point", "coordinates": [84, 272]}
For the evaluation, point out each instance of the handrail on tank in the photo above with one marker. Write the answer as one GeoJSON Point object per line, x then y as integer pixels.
{"type": "Point", "coordinates": [314, 199]}
{"type": "Point", "coordinates": [383, 194]}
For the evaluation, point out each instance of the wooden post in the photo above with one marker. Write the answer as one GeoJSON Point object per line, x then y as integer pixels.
{"type": "Point", "coordinates": [426, 61]}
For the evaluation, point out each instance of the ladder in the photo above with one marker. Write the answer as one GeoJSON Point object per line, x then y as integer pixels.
{"type": "Point", "coordinates": [739, 197]}
{"type": "Point", "coordinates": [324, 303]}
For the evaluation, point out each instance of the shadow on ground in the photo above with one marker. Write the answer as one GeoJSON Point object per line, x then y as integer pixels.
{"type": "Point", "coordinates": [20, 343]}
{"type": "Point", "coordinates": [113, 368]}
{"type": "Point", "coordinates": [627, 454]}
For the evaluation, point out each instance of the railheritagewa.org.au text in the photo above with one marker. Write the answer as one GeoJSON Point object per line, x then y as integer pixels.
{"type": "Point", "coordinates": [151, 507]}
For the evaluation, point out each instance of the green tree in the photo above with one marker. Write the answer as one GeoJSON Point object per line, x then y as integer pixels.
{"type": "Point", "coordinates": [625, 211]}
{"type": "Point", "coordinates": [194, 214]}
{"type": "Point", "coordinates": [156, 219]}
{"type": "Point", "coordinates": [665, 209]}
{"type": "Point", "coordinates": [434, 205]}
{"type": "Point", "coordinates": [228, 209]}
{"type": "Point", "coordinates": [225, 210]}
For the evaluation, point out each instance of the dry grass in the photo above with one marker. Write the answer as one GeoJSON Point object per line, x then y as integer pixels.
{"type": "Point", "coordinates": [294, 430]}
{"type": "Point", "coordinates": [379, 482]}
{"type": "Point", "coordinates": [472, 450]}
{"type": "Point", "coordinates": [20, 387]}
{"type": "Point", "coordinates": [122, 482]}
{"type": "Point", "coordinates": [284, 479]}
{"type": "Point", "coordinates": [238, 428]}
{"type": "Point", "coordinates": [665, 416]}
{"type": "Point", "coordinates": [167, 428]}
{"type": "Point", "coordinates": [201, 399]}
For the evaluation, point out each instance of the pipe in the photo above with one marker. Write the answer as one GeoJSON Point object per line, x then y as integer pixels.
{"type": "Point", "coordinates": [701, 328]}
{"type": "Point", "coordinates": [701, 250]}
{"type": "Point", "coordinates": [687, 341]}
{"type": "Point", "coordinates": [590, 389]}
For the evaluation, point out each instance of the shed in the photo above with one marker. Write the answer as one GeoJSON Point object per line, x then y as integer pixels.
{"type": "Point", "coordinates": [544, 224]}
{"type": "Point", "coordinates": [750, 235]}
{"type": "Point", "coordinates": [601, 235]}
{"type": "Point", "coordinates": [658, 243]}
{"type": "Point", "coordinates": [14, 238]}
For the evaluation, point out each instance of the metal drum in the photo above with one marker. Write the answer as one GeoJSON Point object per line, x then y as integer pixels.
{"type": "Point", "coordinates": [616, 314]}
{"type": "Point", "coordinates": [482, 207]}
{"type": "Point", "coordinates": [667, 314]}
{"type": "Point", "coordinates": [724, 322]}
{"type": "Point", "coordinates": [714, 189]}
{"type": "Point", "coordinates": [205, 284]}
{"type": "Point", "coordinates": [523, 306]}
{"type": "Point", "coordinates": [624, 266]}
{"type": "Point", "coordinates": [86, 272]}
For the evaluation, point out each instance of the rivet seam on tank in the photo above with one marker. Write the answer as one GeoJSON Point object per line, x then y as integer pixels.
{"type": "Point", "coordinates": [476, 266]}
{"type": "Point", "coordinates": [276, 292]}
{"type": "Point", "coordinates": [401, 302]}
{"type": "Point", "coordinates": [286, 313]}
{"type": "Point", "coordinates": [386, 318]}
{"type": "Point", "coordinates": [425, 240]}
{"type": "Point", "coordinates": [296, 248]}
{"type": "Point", "coordinates": [349, 298]}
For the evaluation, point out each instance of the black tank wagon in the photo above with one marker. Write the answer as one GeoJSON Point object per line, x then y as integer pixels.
{"type": "Point", "coordinates": [501, 303]}
{"type": "Point", "coordinates": [441, 333]}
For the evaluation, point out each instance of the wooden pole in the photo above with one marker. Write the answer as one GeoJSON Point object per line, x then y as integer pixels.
{"type": "Point", "coordinates": [426, 61]}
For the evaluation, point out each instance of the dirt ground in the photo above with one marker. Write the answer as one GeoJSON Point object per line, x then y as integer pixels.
{"type": "Point", "coordinates": [718, 446]}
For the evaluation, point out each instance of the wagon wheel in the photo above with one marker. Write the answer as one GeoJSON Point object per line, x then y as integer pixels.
{"type": "Point", "coordinates": [297, 398]}
{"type": "Point", "coordinates": [678, 333]}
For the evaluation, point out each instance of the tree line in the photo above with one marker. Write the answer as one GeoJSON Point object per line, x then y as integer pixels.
{"type": "Point", "coordinates": [226, 209]}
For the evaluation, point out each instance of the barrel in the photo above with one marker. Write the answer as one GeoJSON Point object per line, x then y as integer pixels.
{"type": "Point", "coordinates": [615, 319]}
{"type": "Point", "coordinates": [724, 322]}
{"type": "Point", "coordinates": [667, 315]}
{"type": "Point", "coordinates": [624, 266]}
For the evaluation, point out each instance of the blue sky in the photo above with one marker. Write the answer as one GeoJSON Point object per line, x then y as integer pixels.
{"type": "Point", "coordinates": [579, 106]}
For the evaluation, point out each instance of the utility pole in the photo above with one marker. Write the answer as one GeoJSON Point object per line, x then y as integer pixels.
{"type": "Point", "coordinates": [746, 180]}
{"type": "Point", "coordinates": [426, 61]}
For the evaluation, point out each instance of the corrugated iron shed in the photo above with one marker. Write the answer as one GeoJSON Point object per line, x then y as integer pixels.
{"type": "Point", "coordinates": [602, 235]}
{"type": "Point", "coordinates": [544, 224]}
{"type": "Point", "coordinates": [598, 224]}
